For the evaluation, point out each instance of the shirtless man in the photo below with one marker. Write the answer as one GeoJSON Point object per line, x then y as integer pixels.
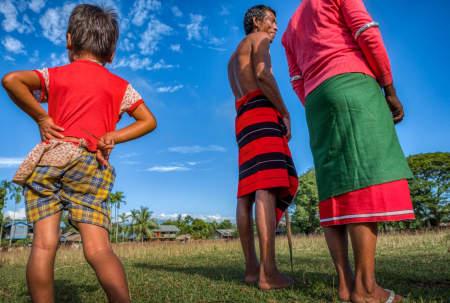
{"type": "Point", "coordinates": [267, 175]}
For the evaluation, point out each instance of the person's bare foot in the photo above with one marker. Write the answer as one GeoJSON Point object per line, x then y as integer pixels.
{"type": "Point", "coordinates": [252, 274]}
{"type": "Point", "coordinates": [345, 290]}
{"type": "Point", "coordinates": [380, 295]}
{"type": "Point", "coordinates": [275, 280]}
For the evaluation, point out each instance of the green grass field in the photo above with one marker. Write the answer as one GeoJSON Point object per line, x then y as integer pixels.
{"type": "Point", "coordinates": [414, 265]}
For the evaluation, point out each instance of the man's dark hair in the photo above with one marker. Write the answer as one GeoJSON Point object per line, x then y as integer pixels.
{"type": "Point", "coordinates": [257, 11]}
{"type": "Point", "coordinates": [94, 30]}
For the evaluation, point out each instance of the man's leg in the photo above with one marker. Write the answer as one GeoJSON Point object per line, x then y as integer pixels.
{"type": "Point", "coordinates": [246, 235]}
{"type": "Point", "coordinates": [42, 257]}
{"type": "Point", "coordinates": [269, 276]}
{"type": "Point", "coordinates": [107, 266]}
{"type": "Point", "coordinates": [366, 289]}
{"type": "Point", "coordinates": [336, 237]}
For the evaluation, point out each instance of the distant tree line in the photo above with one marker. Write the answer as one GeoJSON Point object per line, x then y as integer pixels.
{"type": "Point", "coordinates": [429, 193]}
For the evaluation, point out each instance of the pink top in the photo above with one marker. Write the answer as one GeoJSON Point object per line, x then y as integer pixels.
{"type": "Point", "coordinates": [325, 38]}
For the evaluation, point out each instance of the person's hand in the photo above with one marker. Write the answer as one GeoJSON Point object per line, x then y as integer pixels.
{"type": "Point", "coordinates": [396, 108]}
{"type": "Point", "coordinates": [287, 122]}
{"type": "Point", "coordinates": [394, 103]}
{"type": "Point", "coordinates": [104, 148]}
{"type": "Point", "coordinates": [49, 130]}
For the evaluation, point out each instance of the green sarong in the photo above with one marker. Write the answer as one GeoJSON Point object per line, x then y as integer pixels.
{"type": "Point", "coordinates": [352, 136]}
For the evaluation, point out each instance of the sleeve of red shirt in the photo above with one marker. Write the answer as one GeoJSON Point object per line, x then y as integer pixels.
{"type": "Point", "coordinates": [43, 88]}
{"type": "Point", "coordinates": [356, 16]}
{"type": "Point", "coordinates": [294, 70]}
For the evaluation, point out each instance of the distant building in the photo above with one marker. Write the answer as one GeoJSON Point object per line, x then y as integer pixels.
{"type": "Point", "coordinates": [18, 230]}
{"type": "Point", "coordinates": [71, 238]}
{"type": "Point", "coordinates": [166, 232]}
{"type": "Point", "coordinates": [225, 233]}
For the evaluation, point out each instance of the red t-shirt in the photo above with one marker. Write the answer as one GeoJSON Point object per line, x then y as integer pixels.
{"type": "Point", "coordinates": [84, 97]}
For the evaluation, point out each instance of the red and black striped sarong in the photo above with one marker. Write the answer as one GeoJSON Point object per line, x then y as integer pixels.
{"type": "Point", "coordinates": [265, 160]}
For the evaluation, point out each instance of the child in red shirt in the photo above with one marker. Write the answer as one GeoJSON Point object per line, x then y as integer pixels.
{"type": "Point", "coordinates": [70, 169]}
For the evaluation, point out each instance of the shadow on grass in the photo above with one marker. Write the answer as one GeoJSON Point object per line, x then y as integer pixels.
{"type": "Point", "coordinates": [68, 291]}
{"type": "Point", "coordinates": [235, 275]}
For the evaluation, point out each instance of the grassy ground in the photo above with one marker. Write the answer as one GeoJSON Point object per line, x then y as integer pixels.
{"type": "Point", "coordinates": [416, 266]}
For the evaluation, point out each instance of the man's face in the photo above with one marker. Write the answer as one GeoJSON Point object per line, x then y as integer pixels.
{"type": "Point", "coordinates": [269, 25]}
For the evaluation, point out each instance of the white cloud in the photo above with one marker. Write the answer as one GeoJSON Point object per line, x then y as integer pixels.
{"type": "Point", "coordinates": [13, 45]}
{"type": "Point", "coordinates": [175, 47]}
{"type": "Point", "coordinates": [35, 57]}
{"type": "Point", "coordinates": [129, 155]}
{"type": "Point", "coordinates": [208, 218]}
{"type": "Point", "coordinates": [10, 23]}
{"type": "Point", "coordinates": [9, 58]}
{"type": "Point", "coordinates": [224, 11]}
{"type": "Point", "coordinates": [176, 11]}
{"type": "Point", "coordinates": [137, 63]}
{"type": "Point", "coordinates": [199, 32]}
{"type": "Point", "coordinates": [54, 23]}
{"type": "Point", "coordinates": [141, 9]}
{"type": "Point", "coordinates": [126, 45]}
{"type": "Point", "coordinates": [20, 214]}
{"type": "Point", "coordinates": [36, 5]}
{"type": "Point", "coordinates": [10, 162]}
{"type": "Point", "coordinates": [196, 149]}
{"type": "Point", "coordinates": [151, 37]}
{"type": "Point", "coordinates": [194, 28]}
{"type": "Point", "coordinates": [169, 89]}
{"type": "Point", "coordinates": [165, 169]}
{"type": "Point", "coordinates": [57, 60]}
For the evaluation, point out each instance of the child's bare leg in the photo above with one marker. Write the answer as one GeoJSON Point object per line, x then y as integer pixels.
{"type": "Point", "coordinates": [107, 266]}
{"type": "Point", "coordinates": [42, 257]}
{"type": "Point", "coordinates": [337, 241]}
{"type": "Point", "coordinates": [246, 235]}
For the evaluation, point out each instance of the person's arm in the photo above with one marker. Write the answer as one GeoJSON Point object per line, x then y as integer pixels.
{"type": "Point", "coordinates": [295, 74]}
{"type": "Point", "coordinates": [367, 34]}
{"type": "Point", "coordinates": [19, 85]}
{"type": "Point", "coordinates": [145, 123]}
{"type": "Point", "coordinates": [267, 83]}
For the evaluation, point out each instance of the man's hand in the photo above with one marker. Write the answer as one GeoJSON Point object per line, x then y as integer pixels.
{"type": "Point", "coordinates": [104, 148]}
{"type": "Point", "coordinates": [394, 103]}
{"type": "Point", "coordinates": [49, 130]}
{"type": "Point", "coordinates": [287, 123]}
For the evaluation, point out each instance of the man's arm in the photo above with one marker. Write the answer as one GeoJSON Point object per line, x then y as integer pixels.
{"type": "Point", "coordinates": [19, 85]}
{"type": "Point", "coordinates": [263, 72]}
{"type": "Point", "coordinates": [145, 123]}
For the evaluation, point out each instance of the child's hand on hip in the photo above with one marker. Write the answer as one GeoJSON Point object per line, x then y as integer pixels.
{"type": "Point", "coordinates": [49, 130]}
{"type": "Point", "coordinates": [104, 148]}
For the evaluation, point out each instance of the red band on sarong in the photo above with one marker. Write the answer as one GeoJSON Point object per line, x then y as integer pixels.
{"type": "Point", "coordinates": [384, 202]}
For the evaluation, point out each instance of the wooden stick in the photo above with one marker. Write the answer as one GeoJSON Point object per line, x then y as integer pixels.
{"type": "Point", "coordinates": [289, 236]}
{"type": "Point", "coordinates": [93, 135]}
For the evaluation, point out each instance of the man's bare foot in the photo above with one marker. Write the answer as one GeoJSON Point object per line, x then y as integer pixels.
{"type": "Point", "coordinates": [252, 275]}
{"type": "Point", "coordinates": [274, 281]}
{"type": "Point", "coordinates": [380, 295]}
{"type": "Point", "coordinates": [345, 290]}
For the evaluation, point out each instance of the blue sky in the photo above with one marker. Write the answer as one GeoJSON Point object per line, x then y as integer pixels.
{"type": "Point", "coordinates": [175, 54]}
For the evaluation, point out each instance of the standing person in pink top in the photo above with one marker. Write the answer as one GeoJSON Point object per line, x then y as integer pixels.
{"type": "Point", "coordinates": [339, 68]}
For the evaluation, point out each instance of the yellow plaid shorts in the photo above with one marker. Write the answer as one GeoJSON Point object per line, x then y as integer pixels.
{"type": "Point", "coordinates": [82, 187]}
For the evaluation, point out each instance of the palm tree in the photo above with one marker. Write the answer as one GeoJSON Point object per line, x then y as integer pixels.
{"type": "Point", "coordinates": [123, 218]}
{"type": "Point", "coordinates": [117, 199]}
{"type": "Point", "coordinates": [134, 218]}
{"type": "Point", "coordinates": [145, 223]}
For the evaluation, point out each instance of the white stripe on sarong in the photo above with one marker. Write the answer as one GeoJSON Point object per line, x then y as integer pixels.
{"type": "Point", "coordinates": [389, 213]}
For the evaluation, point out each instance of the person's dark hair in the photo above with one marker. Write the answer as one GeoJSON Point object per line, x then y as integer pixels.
{"type": "Point", "coordinates": [257, 11]}
{"type": "Point", "coordinates": [94, 30]}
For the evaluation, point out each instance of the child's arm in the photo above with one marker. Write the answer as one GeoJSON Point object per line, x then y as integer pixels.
{"type": "Point", "coordinates": [19, 85]}
{"type": "Point", "coordinates": [145, 123]}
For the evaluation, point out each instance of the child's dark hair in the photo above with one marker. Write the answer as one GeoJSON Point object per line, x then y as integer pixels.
{"type": "Point", "coordinates": [257, 11]}
{"type": "Point", "coordinates": [94, 30]}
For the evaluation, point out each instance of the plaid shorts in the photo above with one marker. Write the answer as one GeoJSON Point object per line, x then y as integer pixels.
{"type": "Point", "coordinates": [82, 187]}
